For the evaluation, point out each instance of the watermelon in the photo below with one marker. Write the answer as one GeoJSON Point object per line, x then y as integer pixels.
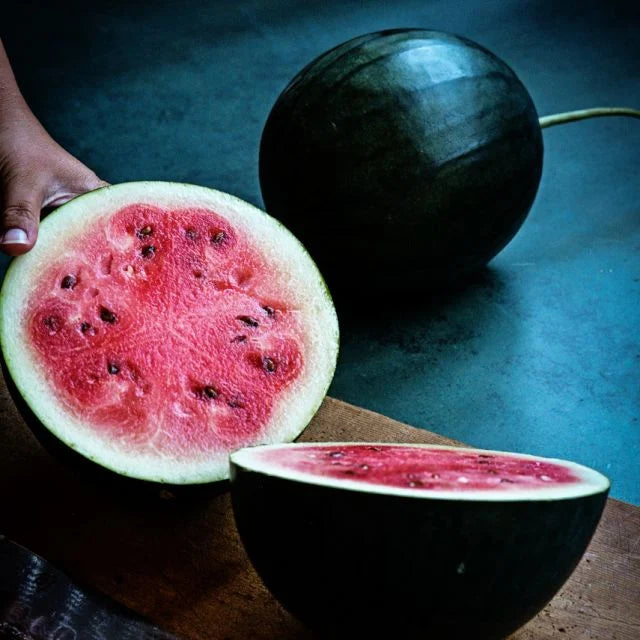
{"type": "Point", "coordinates": [412, 541]}
{"type": "Point", "coordinates": [157, 326]}
{"type": "Point", "coordinates": [403, 159]}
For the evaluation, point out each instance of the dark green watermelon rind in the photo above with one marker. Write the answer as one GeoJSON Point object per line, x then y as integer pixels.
{"type": "Point", "coordinates": [70, 452]}
{"type": "Point", "coordinates": [354, 562]}
{"type": "Point", "coordinates": [300, 188]}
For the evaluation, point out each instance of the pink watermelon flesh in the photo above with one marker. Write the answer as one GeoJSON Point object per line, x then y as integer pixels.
{"type": "Point", "coordinates": [421, 468]}
{"type": "Point", "coordinates": [168, 318]}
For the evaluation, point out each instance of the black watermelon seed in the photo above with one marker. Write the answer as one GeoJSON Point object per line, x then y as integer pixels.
{"type": "Point", "coordinates": [248, 320]}
{"type": "Point", "coordinates": [269, 365]}
{"type": "Point", "coordinates": [52, 323]}
{"type": "Point", "coordinates": [336, 454]}
{"type": "Point", "coordinates": [107, 316]}
{"type": "Point", "coordinates": [269, 310]}
{"type": "Point", "coordinates": [218, 237]}
{"type": "Point", "coordinates": [148, 251]}
{"type": "Point", "coordinates": [145, 231]}
{"type": "Point", "coordinates": [239, 339]}
{"type": "Point", "coordinates": [192, 234]}
{"type": "Point", "coordinates": [210, 392]}
{"type": "Point", "coordinates": [113, 368]}
{"type": "Point", "coordinates": [85, 326]}
{"type": "Point", "coordinates": [68, 282]}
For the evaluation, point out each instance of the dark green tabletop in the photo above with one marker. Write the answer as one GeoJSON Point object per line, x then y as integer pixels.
{"type": "Point", "coordinates": [540, 352]}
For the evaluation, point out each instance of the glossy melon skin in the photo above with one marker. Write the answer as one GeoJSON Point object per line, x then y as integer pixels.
{"type": "Point", "coordinates": [359, 564]}
{"type": "Point", "coordinates": [404, 158]}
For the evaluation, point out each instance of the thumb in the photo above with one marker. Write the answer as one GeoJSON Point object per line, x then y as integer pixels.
{"type": "Point", "coordinates": [19, 219]}
{"type": "Point", "coordinates": [85, 181]}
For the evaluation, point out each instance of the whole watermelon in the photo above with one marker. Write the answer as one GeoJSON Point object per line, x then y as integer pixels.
{"type": "Point", "coordinates": [402, 159]}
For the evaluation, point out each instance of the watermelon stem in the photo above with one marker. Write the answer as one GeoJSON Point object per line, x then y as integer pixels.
{"type": "Point", "coordinates": [598, 112]}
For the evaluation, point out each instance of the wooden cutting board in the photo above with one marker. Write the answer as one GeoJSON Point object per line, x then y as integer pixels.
{"type": "Point", "coordinates": [181, 564]}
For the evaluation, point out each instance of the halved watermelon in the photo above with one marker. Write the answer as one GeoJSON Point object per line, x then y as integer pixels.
{"type": "Point", "coordinates": [156, 327]}
{"type": "Point", "coordinates": [412, 541]}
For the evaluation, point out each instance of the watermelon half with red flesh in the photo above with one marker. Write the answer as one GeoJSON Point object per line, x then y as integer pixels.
{"type": "Point", "coordinates": [156, 327]}
{"type": "Point", "coordinates": [412, 541]}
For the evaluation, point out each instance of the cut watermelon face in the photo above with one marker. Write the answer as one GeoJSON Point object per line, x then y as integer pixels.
{"type": "Point", "coordinates": [156, 327]}
{"type": "Point", "coordinates": [430, 471]}
{"type": "Point", "coordinates": [434, 541]}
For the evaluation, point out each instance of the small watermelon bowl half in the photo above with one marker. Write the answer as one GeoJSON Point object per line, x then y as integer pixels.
{"type": "Point", "coordinates": [156, 327]}
{"type": "Point", "coordinates": [412, 541]}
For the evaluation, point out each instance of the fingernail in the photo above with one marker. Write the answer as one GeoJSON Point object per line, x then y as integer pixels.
{"type": "Point", "coordinates": [15, 236]}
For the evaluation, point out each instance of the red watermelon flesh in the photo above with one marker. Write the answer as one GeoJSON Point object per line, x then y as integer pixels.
{"type": "Point", "coordinates": [417, 468]}
{"type": "Point", "coordinates": [171, 331]}
{"type": "Point", "coordinates": [127, 327]}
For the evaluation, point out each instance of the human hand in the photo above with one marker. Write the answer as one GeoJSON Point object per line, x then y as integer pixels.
{"type": "Point", "coordinates": [36, 173]}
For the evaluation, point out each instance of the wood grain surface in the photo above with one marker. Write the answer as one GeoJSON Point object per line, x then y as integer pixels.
{"type": "Point", "coordinates": [180, 562]}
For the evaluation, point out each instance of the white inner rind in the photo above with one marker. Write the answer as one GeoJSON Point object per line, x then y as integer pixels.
{"type": "Point", "coordinates": [290, 264]}
{"type": "Point", "coordinates": [589, 481]}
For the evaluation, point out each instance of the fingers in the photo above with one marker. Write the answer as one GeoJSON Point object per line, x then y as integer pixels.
{"type": "Point", "coordinates": [23, 203]}
{"type": "Point", "coordinates": [35, 171]}
{"type": "Point", "coordinates": [20, 217]}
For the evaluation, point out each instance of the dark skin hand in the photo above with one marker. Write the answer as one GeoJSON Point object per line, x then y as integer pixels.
{"type": "Point", "coordinates": [35, 171]}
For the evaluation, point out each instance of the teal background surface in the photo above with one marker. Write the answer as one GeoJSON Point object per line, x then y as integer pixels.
{"type": "Point", "coordinates": [540, 352]}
